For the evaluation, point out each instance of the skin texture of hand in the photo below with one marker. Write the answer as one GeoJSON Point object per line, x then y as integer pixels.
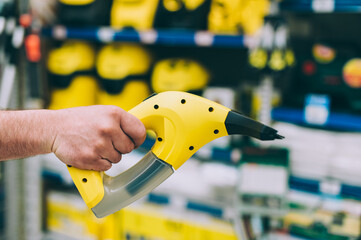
{"type": "Point", "coordinates": [95, 137]}
{"type": "Point", "coordinates": [91, 137]}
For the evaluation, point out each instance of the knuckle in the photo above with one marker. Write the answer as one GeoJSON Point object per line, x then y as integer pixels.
{"type": "Point", "coordinates": [114, 111]}
{"type": "Point", "coordinates": [88, 156]}
{"type": "Point", "coordinates": [98, 145]}
{"type": "Point", "coordinates": [105, 129]}
{"type": "Point", "coordinates": [139, 129]}
{"type": "Point", "coordinates": [116, 160]}
{"type": "Point", "coordinates": [128, 146]}
{"type": "Point", "coordinates": [105, 166]}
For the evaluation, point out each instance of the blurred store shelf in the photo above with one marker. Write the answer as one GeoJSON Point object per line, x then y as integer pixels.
{"type": "Point", "coordinates": [204, 196]}
{"type": "Point", "coordinates": [335, 121]}
{"type": "Point", "coordinates": [162, 37]}
{"type": "Point", "coordinates": [321, 6]}
{"type": "Point", "coordinates": [339, 190]}
{"type": "Point", "coordinates": [57, 236]}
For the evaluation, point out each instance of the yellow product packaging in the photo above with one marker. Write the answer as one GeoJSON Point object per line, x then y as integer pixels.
{"type": "Point", "coordinates": [252, 15]}
{"type": "Point", "coordinates": [110, 228]}
{"type": "Point", "coordinates": [155, 222]}
{"type": "Point", "coordinates": [81, 92]}
{"type": "Point", "coordinates": [211, 229]}
{"type": "Point", "coordinates": [224, 16]}
{"type": "Point", "coordinates": [134, 14]}
{"type": "Point", "coordinates": [178, 74]}
{"type": "Point", "coordinates": [123, 71]}
{"type": "Point", "coordinates": [70, 69]}
{"type": "Point", "coordinates": [237, 16]}
{"type": "Point", "coordinates": [67, 215]}
{"type": "Point", "coordinates": [257, 102]}
{"type": "Point", "coordinates": [143, 222]}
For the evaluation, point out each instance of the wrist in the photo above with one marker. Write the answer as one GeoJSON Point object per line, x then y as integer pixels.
{"type": "Point", "coordinates": [42, 126]}
{"type": "Point", "coordinates": [51, 121]}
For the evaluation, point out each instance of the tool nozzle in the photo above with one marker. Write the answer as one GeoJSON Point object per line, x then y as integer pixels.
{"type": "Point", "coordinates": [237, 123]}
{"type": "Point", "coordinates": [279, 137]}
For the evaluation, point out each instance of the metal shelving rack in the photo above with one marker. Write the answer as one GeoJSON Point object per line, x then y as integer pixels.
{"type": "Point", "coordinates": [162, 37]}
{"type": "Point", "coordinates": [321, 6]}
{"type": "Point", "coordinates": [335, 121]}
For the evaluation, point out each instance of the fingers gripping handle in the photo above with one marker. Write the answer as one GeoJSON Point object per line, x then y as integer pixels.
{"type": "Point", "coordinates": [89, 183]}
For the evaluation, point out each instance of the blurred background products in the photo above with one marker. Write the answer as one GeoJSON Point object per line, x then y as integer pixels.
{"type": "Point", "coordinates": [292, 64]}
{"type": "Point", "coordinates": [152, 219]}
{"type": "Point", "coordinates": [123, 71]}
{"type": "Point", "coordinates": [237, 16]}
{"type": "Point", "coordinates": [134, 14]}
{"type": "Point", "coordinates": [182, 14]}
{"type": "Point", "coordinates": [324, 225]}
{"type": "Point", "coordinates": [84, 12]}
{"type": "Point", "coordinates": [329, 69]}
{"type": "Point", "coordinates": [71, 77]}
{"type": "Point", "coordinates": [179, 74]}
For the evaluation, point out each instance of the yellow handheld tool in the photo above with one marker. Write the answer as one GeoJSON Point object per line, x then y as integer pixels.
{"type": "Point", "coordinates": [183, 123]}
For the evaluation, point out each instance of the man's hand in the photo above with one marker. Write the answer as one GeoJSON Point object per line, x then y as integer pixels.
{"type": "Point", "coordinates": [91, 137]}
{"type": "Point", "coordinates": [95, 137]}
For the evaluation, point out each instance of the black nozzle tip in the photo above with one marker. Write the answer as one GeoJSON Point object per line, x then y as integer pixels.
{"type": "Point", "coordinates": [279, 137]}
{"type": "Point", "coordinates": [269, 133]}
{"type": "Point", "coordinates": [271, 136]}
{"type": "Point", "coordinates": [236, 123]}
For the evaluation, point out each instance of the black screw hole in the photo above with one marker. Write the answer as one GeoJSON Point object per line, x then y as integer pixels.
{"type": "Point", "coordinates": [156, 106]}
{"type": "Point", "coordinates": [69, 165]}
{"type": "Point", "coordinates": [160, 139]}
{"type": "Point", "coordinates": [216, 131]}
{"type": "Point", "coordinates": [191, 148]}
{"type": "Point", "coordinates": [183, 101]}
{"type": "Point", "coordinates": [84, 180]}
{"type": "Point", "coordinates": [210, 109]}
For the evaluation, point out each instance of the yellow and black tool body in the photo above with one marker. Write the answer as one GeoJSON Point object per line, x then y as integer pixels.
{"type": "Point", "coordinates": [123, 72]}
{"type": "Point", "coordinates": [84, 12]}
{"type": "Point", "coordinates": [183, 14]}
{"type": "Point", "coordinates": [71, 75]}
{"type": "Point", "coordinates": [183, 123]}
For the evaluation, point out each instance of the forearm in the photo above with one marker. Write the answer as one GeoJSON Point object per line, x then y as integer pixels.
{"type": "Point", "coordinates": [26, 133]}
{"type": "Point", "coordinates": [91, 137]}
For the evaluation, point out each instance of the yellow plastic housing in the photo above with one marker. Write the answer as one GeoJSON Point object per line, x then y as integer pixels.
{"type": "Point", "coordinates": [177, 74]}
{"type": "Point", "coordinates": [133, 13]}
{"type": "Point", "coordinates": [182, 122]}
{"type": "Point", "coordinates": [89, 184]}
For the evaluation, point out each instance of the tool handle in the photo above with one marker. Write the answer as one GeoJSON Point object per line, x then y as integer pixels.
{"type": "Point", "coordinates": [89, 182]}
{"type": "Point", "coordinates": [183, 123]}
